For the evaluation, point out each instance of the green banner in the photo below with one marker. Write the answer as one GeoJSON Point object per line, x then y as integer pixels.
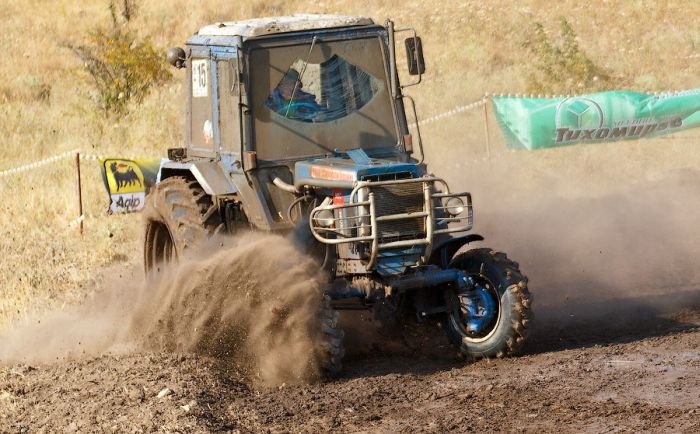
{"type": "Point", "coordinates": [537, 123]}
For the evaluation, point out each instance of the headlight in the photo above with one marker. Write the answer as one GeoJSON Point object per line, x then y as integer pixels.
{"type": "Point", "coordinates": [325, 218]}
{"type": "Point", "coordinates": [454, 206]}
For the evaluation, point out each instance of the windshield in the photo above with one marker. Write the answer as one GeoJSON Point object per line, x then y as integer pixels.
{"type": "Point", "coordinates": [329, 91]}
{"type": "Point", "coordinates": [328, 97]}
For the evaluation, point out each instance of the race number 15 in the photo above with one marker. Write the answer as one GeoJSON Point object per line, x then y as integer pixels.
{"type": "Point", "coordinates": [200, 78]}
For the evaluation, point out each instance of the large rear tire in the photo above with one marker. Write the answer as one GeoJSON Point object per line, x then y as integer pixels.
{"type": "Point", "coordinates": [177, 214]}
{"type": "Point", "coordinates": [492, 318]}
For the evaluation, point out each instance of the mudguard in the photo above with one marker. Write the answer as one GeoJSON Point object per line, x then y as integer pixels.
{"type": "Point", "coordinates": [444, 251]}
{"type": "Point", "coordinates": [209, 174]}
{"type": "Point", "coordinates": [224, 178]}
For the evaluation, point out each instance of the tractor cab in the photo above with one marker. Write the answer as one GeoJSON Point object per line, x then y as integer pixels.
{"type": "Point", "coordinates": [266, 94]}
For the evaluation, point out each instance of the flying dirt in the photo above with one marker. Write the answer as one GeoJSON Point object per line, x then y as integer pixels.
{"type": "Point", "coordinates": [254, 303]}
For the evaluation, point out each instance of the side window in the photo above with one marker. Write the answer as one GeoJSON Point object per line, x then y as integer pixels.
{"type": "Point", "coordinates": [202, 116]}
{"type": "Point", "coordinates": [229, 125]}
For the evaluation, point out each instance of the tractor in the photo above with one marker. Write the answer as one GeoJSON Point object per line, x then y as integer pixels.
{"type": "Point", "coordinates": [298, 125]}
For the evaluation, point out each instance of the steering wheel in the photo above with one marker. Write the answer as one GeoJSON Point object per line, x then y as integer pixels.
{"type": "Point", "coordinates": [301, 110]}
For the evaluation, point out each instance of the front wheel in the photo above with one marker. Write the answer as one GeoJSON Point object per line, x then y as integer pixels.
{"type": "Point", "coordinates": [331, 343]}
{"type": "Point", "coordinates": [490, 317]}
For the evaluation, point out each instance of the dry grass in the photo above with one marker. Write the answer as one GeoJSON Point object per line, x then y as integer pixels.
{"type": "Point", "coordinates": [472, 47]}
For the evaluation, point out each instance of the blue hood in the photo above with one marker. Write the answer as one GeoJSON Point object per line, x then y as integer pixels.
{"type": "Point", "coordinates": [337, 172]}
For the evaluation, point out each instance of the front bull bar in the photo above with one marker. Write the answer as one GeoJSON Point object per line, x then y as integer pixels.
{"type": "Point", "coordinates": [358, 222]}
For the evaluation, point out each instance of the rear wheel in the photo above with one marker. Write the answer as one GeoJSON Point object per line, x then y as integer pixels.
{"type": "Point", "coordinates": [178, 214]}
{"type": "Point", "coordinates": [491, 317]}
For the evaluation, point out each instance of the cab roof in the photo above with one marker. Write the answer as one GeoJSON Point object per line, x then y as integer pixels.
{"type": "Point", "coordinates": [273, 25]}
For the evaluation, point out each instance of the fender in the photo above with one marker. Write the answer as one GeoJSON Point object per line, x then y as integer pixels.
{"type": "Point", "coordinates": [218, 180]}
{"type": "Point", "coordinates": [209, 174]}
{"type": "Point", "coordinates": [444, 251]}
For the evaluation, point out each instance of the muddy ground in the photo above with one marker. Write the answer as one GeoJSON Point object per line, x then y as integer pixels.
{"type": "Point", "coordinates": [615, 345]}
{"type": "Point", "coordinates": [638, 372]}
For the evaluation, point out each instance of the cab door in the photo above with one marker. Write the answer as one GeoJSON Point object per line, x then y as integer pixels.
{"type": "Point", "coordinates": [214, 90]}
{"type": "Point", "coordinates": [228, 104]}
{"type": "Point", "coordinates": [201, 114]}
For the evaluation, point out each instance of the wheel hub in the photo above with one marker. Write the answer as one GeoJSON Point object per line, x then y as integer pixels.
{"type": "Point", "coordinates": [478, 309]}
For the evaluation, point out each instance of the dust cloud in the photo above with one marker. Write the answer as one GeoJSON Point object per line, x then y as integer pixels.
{"type": "Point", "coordinates": [253, 302]}
{"type": "Point", "coordinates": [605, 254]}
{"type": "Point", "coordinates": [604, 257]}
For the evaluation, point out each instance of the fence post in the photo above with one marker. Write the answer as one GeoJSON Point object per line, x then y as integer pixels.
{"type": "Point", "coordinates": [486, 128]}
{"type": "Point", "coordinates": [80, 192]}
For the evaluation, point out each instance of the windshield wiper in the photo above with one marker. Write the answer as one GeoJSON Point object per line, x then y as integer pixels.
{"type": "Point", "coordinates": [301, 75]}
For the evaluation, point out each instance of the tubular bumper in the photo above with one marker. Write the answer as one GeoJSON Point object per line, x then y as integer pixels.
{"type": "Point", "coordinates": [359, 221]}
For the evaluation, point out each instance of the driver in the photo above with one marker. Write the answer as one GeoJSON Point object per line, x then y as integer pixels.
{"type": "Point", "coordinates": [302, 107]}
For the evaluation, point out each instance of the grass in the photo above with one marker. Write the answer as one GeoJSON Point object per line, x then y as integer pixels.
{"type": "Point", "coordinates": [471, 47]}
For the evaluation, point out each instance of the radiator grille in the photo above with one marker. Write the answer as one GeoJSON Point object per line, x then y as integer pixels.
{"type": "Point", "coordinates": [399, 199]}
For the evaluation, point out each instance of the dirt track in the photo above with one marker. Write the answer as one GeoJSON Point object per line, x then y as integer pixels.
{"type": "Point", "coordinates": [641, 373]}
{"type": "Point", "coordinates": [615, 347]}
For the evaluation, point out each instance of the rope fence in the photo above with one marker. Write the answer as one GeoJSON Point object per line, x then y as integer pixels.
{"type": "Point", "coordinates": [481, 103]}
{"type": "Point", "coordinates": [459, 109]}
{"type": "Point", "coordinates": [74, 222]}
{"type": "Point", "coordinates": [75, 154]}
{"type": "Point", "coordinates": [48, 160]}
{"type": "Point", "coordinates": [82, 218]}
{"type": "Point", "coordinates": [38, 163]}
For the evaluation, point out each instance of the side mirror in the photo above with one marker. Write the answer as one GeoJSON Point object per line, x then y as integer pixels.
{"type": "Point", "coordinates": [414, 55]}
{"type": "Point", "coordinates": [176, 57]}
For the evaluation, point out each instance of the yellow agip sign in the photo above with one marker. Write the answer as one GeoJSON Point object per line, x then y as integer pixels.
{"type": "Point", "coordinates": [124, 176]}
{"type": "Point", "coordinates": [127, 181]}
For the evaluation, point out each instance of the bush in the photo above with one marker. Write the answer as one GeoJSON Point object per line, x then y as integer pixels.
{"type": "Point", "coordinates": [561, 66]}
{"type": "Point", "coordinates": [123, 69]}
